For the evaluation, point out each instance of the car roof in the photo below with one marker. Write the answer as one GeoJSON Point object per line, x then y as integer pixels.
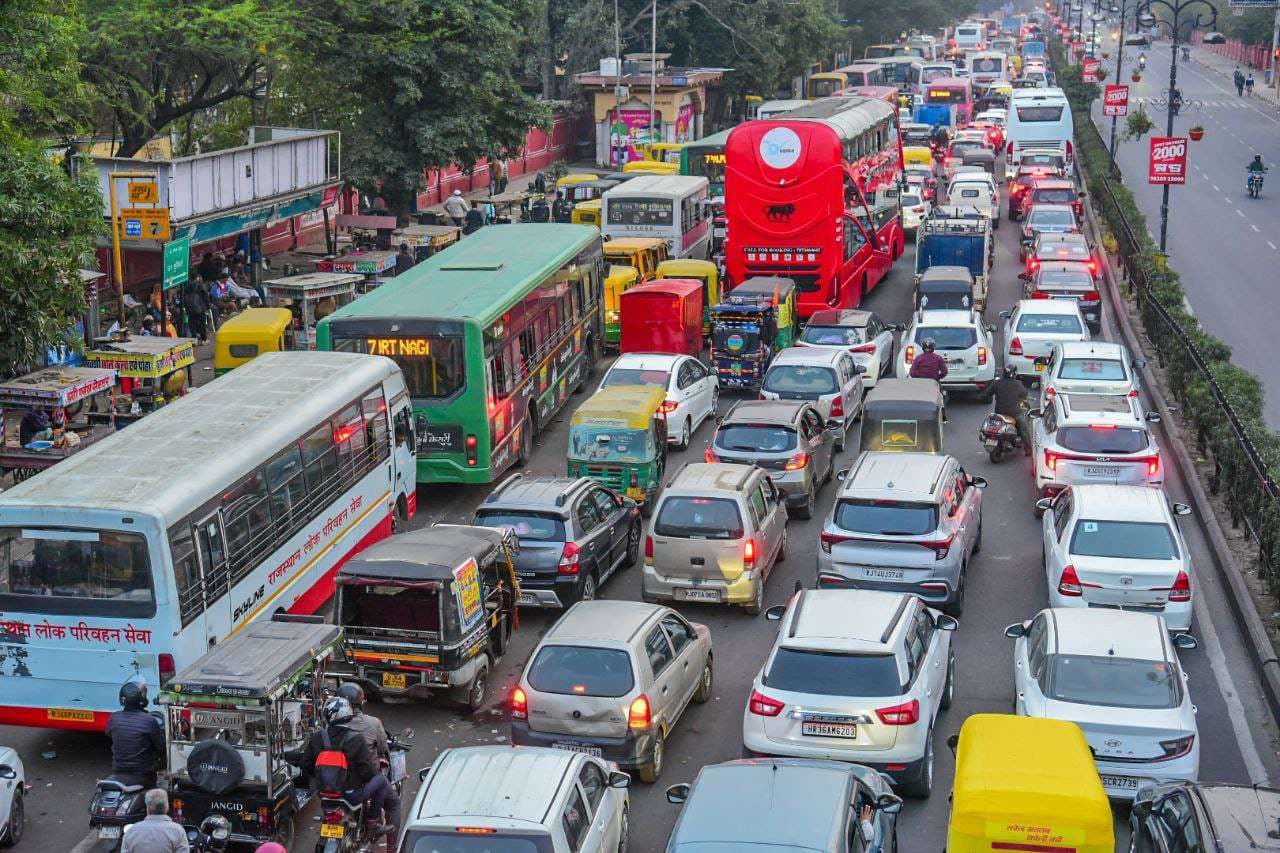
{"type": "Point", "coordinates": [1053, 182]}
{"type": "Point", "coordinates": [808, 355]}
{"type": "Point", "coordinates": [611, 619]}
{"type": "Point", "coordinates": [1062, 237]}
{"type": "Point", "coordinates": [1121, 503]}
{"type": "Point", "coordinates": [945, 317]}
{"type": "Point", "coordinates": [1244, 817]}
{"type": "Point", "coordinates": [1100, 632]}
{"type": "Point", "coordinates": [646, 360]}
{"type": "Point", "coordinates": [1115, 409]}
{"type": "Point", "coordinates": [847, 620]}
{"type": "Point", "coordinates": [895, 475]}
{"type": "Point", "coordinates": [1097, 349]}
{"type": "Point", "coordinates": [494, 782]}
{"type": "Point", "coordinates": [839, 317]}
{"type": "Point", "coordinates": [543, 494]}
{"type": "Point", "coordinates": [1047, 306]}
{"type": "Point", "coordinates": [710, 476]}
{"type": "Point", "coordinates": [765, 411]}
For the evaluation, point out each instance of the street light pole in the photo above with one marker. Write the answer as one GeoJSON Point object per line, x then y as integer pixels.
{"type": "Point", "coordinates": [1124, 10]}
{"type": "Point", "coordinates": [653, 72]}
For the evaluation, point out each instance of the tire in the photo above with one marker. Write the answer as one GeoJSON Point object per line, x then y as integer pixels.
{"type": "Point", "coordinates": [920, 785]}
{"type": "Point", "coordinates": [589, 588]}
{"type": "Point", "coordinates": [782, 549]}
{"type": "Point", "coordinates": [652, 769]}
{"type": "Point", "coordinates": [844, 435]}
{"type": "Point", "coordinates": [526, 444]}
{"type": "Point", "coordinates": [977, 543]}
{"type": "Point", "coordinates": [949, 688]}
{"type": "Point", "coordinates": [686, 435]}
{"type": "Point", "coordinates": [996, 454]}
{"type": "Point", "coordinates": [633, 547]}
{"type": "Point", "coordinates": [476, 691]}
{"type": "Point", "coordinates": [17, 821]}
{"type": "Point", "coordinates": [220, 766]}
{"type": "Point", "coordinates": [286, 830]}
{"type": "Point", "coordinates": [956, 608]}
{"type": "Point", "coordinates": [806, 510]}
{"type": "Point", "coordinates": [623, 831]}
{"type": "Point", "coordinates": [705, 682]}
{"type": "Point", "coordinates": [756, 604]}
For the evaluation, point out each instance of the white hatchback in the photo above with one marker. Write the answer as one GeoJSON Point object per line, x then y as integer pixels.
{"type": "Point", "coordinates": [1032, 329]}
{"type": "Point", "coordinates": [693, 390]}
{"type": "Point", "coordinates": [827, 377]}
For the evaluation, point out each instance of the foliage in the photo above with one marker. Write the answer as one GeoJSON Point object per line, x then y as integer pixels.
{"type": "Point", "coordinates": [39, 67]}
{"type": "Point", "coordinates": [1253, 27]}
{"type": "Point", "coordinates": [1137, 124]}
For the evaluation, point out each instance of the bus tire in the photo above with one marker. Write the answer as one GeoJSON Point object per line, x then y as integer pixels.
{"type": "Point", "coordinates": [401, 516]}
{"type": "Point", "coordinates": [526, 443]}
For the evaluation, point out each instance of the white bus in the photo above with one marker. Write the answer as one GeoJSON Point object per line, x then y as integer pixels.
{"type": "Point", "coordinates": [669, 207]}
{"type": "Point", "coordinates": [987, 67]}
{"type": "Point", "coordinates": [237, 501]}
{"type": "Point", "coordinates": [1038, 119]}
{"type": "Point", "coordinates": [970, 36]}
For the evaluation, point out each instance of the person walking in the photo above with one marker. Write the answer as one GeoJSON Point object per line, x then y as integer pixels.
{"type": "Point", "coordinates": [561, 209]}
{"type": "Point", "coordinates": [456, 207]}
{"type": "Point", "coordinates": [475, 219]}
{"type": "Point", "coordinates": [156, 833]}
{"type": "Point", "coordinates": [1238, 79]}
{"type": "Point", "coordinates": [502, 174]}
{"type": "Point", "coordinates": [1248, 84]}
{"type": "Point", "coordinates": [195, 298]}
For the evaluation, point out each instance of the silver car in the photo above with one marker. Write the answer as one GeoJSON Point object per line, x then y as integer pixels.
{"type": "Point", "coordinates": [907, 522]}
{"type": "Point", "coordinates": [828, 378]}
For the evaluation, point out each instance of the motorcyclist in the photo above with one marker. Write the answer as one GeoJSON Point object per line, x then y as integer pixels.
{"type": "Point", "coordinates": [1256, 165]}
{"type": "Point", "coordinates": [360, 782]}
{"type": "Point", "coordinates": [137, 738]}
{"type": "Point", "coordinates": [1009, 394]}
{"type": "Point", "coordinates": [939, 136]}
{"type": "Point", "coordinates": [928, 364]}
{"type": "Point", "coordinates": [1142, 60]}
{"type": "Point", "coordinates": [374, 733]}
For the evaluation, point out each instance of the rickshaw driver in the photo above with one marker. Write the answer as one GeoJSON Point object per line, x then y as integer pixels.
{"type": "Point", "coordinates": [360, 781]}
{"type": "Point", "coordinates": [374, 733]}
{"type": "Point", "coordinates": [137, 737]}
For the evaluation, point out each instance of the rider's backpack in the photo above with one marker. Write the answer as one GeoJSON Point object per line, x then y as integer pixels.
{"type": "Point", "coordinates": [332, 770]}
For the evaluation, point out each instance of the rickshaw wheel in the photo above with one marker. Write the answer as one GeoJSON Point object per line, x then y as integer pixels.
{"type": "Point", "coordinates": [477, 691]}
{"type": "Point", "coordinates": [284, 831]}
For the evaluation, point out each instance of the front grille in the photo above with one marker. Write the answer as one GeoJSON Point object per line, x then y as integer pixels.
{"type": "Point", "coordinates": [608, 475]}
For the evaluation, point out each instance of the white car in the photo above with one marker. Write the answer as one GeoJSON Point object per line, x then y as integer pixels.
{"type": "Point", "coordinates": [1080, 439]}
{"type": "Point", "coordinates": [854, 675]}
{"type": "Point", "coordinates": [1089, 367]}
{"type": "Point", "coordinates": [976, 189]}
{"type": "Point", "coordinates": [13, 815]}
{"type": "Point", "coordinates": [1117, 676]}
{"type": "Point", "coordinates": [961, 338]}
{"type": "Point", "coordinates": [996, 117]}
{"type": "Point", "coordinates": [829, 378]}
{"type": "Point", "coordinates": [915, 209]}
{"type": "Point", "coordinates": [862, 333]}
{"type": "Point", "coordinates": [693, 390]}
{"type": "Point", "coordinates": [1032, 329]}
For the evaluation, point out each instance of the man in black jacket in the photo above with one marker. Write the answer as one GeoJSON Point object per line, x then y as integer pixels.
{"type": "Point", "coordinates": [137, 738]}
{"type": "Point", "coordinates": [338, 759]}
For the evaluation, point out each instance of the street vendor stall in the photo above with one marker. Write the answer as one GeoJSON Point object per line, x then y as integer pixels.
{"type": "Point", "coordinates": [425, 240]}
{"type": "Point", "coordinates": [311, 297]}
{"type": "Point", "coordinates": [60, 393]}
{"type": "Point", "coordinates": [508, 204]}
{"type": "Point", "coordinates": [369, 264]}
{"type": "Point", "coordinates": [152, 370]}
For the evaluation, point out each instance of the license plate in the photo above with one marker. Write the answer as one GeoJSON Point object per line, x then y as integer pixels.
{"type": "Point", "coordinates": [332, 830]}
{"type": "Point", "coordinates": [111, 832]}
{"type": "Point", "coordinates": [885, 574]}
{"type": "Point", "coordinates": [698, 594]}
{"type": "Point", "coordinates": [1124, 783]}
{"type": "Point", "coordinates": [846, 730]}
{"type": "Point", "coordinates": [1101, 471]}
{"type": "Point", "coordinates": [70, 715]}
{"type": "Point", "coordinates": [528, 598]}
{"type": "Point", "coordinates": [394, 680]}
{"type": "Point", "coordinates": [594, 751]}
{"type": "Point", "coordinates": [989, 442]}
{"type": "Point", "coordinates": [1039, 368]}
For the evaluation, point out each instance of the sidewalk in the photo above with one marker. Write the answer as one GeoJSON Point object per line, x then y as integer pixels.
{"type": "Point", "coordinates": [1224, 66]}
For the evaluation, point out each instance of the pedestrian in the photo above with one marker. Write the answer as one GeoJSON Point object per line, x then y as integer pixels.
{"type": "Point", "coordinates": [195, 298]}
{"type": "Point", "coordinates": [1238, 79]}
{"type": "Point", "coordinates": [475, 219]}
{"type": "Point", "coordinates": [502, 175]}
{"type": "Point", "coordinates": [1248, 84]}
{"type": "Point", "coordinates": [156, 833]}
{"type": "Point", "coordinates": [209, 267]}
{"type": "Point", "coordinates": [170, 328]}
{"type": "Point", "coordinates": [561, 209]}
{"type": "Point", "coordinates": [456, 207]}
{"type": "Point", "coordinates": [148, 326]}
{"type": "Point", "coordinates": [404, 259]}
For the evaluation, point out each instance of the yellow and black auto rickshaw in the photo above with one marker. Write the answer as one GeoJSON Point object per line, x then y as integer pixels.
{"type": "Point", "coordinates": [249, 334]}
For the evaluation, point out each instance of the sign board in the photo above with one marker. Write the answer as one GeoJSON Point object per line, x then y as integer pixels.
{"type": "Point", "coordinates": [1168, 164]}
{"type": "Point", "coordinates": [145, 223]}
{"type": "Point", "coordinates": [466, 586]}
{"type": "Point", "coordinates": [144, 192]}
{"type": "Point", "coordinates": [1253, 4]}
{"type": "Point", "coordinates": [1115, 100]}
{"type": "Point", "coordinates": [177, 262]}
{"type": "Point", "coordinates": [1089, 70]}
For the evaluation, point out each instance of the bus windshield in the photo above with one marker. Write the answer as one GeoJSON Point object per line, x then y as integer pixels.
{"type": "Point", "coordinates": [708, 164]}
{"type": "Point", "coordinates": [824, 87]}
{"type": "Point", "coordinates": [80, 572]}
{"type": "Point", "coordinates": [641, 211]}
{"type": "Point", "coordinates": [433, 365]}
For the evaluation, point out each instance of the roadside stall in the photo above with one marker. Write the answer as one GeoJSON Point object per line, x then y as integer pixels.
{"type": "Point", "coordinates": [425, 240]}
{"type": "Point", "coordinates": [60, 393]}
{"type": "Point", "coordinates": [152, 370]}
{"type": "Point", "coordinates": [507, 204]}
{"type": "Point", "coordinates": [311, 297]}
{"type": "Point", "coordinates": [368, 264]}
{"type": "Point", "coordinates": [756, 320]}
{"type": "Point", "coordinates": [249, 334]}
{"type": "Point", "coordinates": [618, 437]}
{"type": "Point", "coordinates": [664, 315]}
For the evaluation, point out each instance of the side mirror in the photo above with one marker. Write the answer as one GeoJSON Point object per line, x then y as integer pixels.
{"type": "Point", "coordinates": [1024, 276]}
{"type": "Point", "coordinates": [978, 482]}
{"type": "Point", "coordinates": [840, 475]}
{"type": "Point", "coordinates": [1005, 315]}
{"type": "Point", "coordinates": [831, 425]}
{"type": "Point", "coordinates": [1153, 418]}
{"type": "Point", "coordinates": [1082, 195]}
{"type": "Point", "coordinates": [889, 803]}
{"type": "Point", "coordinates": [1186, 642]}
{"type": "Point", "coordinates": [618, 779]}
{"type": "Point", "coordinates": [422, 774]}
{"type": "Point", "coordinates": [1035, 413]}
{"type": "Point", "coordinates": [1143, 799]}
{"type": "Point", "coordinates": [990, 328]}
{"type": "Point", "coordinates": [947, 623]}
{"type": "Point", "coordinates": [776, 612]}
{"type": "Point", "coordinates": [1181, 509]}
{"type": "Point", "coordinates": [953, 743]}
{"type": "Point", "coordinates": [1016, 631]}
{"type": "Point", "coordinates": [677, 794]}
{"type": "Point", "coordinates": [1044, 504]}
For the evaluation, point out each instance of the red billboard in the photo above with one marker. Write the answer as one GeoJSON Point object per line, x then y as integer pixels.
{"type": "Point", "coordinates": [1168, 163]}
{"type": "Point", "coordinates": [1115, 100]}
{"type": "Point", "coordinates": [1089, 70]}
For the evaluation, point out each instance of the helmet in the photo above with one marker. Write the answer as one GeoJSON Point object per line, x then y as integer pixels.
{"type": "Point", "coordinates": [1010, 372]}
{"type": "Point", "coordinates": [133, 694]}
{"type": "Point", "coordinates": [353, 693]}
{"type": "Point", "coordinates": [927, 345]}
{"type": "Point", "coordinates": [337, 710]}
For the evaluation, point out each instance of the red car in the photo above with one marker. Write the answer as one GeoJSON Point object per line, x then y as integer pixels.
{"type": "Point", "coordinates": [1053, 191]}
{"type": "Point", "coordinates": [1018, 188]}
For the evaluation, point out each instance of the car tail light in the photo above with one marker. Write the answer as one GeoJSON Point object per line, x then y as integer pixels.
{"type": "Point", "coordinates": [749, 553]}
{"type": "Point", "coordinates": [826, 540]}
{"type": "Point", "coordinates": [918, 209]}
{"type": "Point", "coordinates": [797, 462]}
{"type": "Point", "coordinates": [1033, 264]}
{"type": "Point", "coordinates": [1177, 747]}
{"type": "Point", "coordinates": [1051, 391]}
{"type": "Point", "coordinates": [569, 559]}
{"type": "Point", "coordinates": [519, 704]}
{"type": "Point", "coordinates": [1133, 392]}
{"type": "Point", "coordinates": [837, 407]}
{"type": "Point", "coordinates": [648, 547]}
{"type": "Point", "coordinates": [763, 706]}
{"type": "Point", "coordinates": [906, 714]}
{"type": "Point", "coordinates": [1009, 149]}
{"type": "Point", "coordinates": [1069, 583]}
{"type": "Point", "coordinates": [638, 715]}
{"type": "Point", "coordinates": [909, 353]}
{"type": "Point", "coordinates": [167, 668]}
{"type": "Point", "coordinates": [1051, 460]}
{"type": "Point", "coordinates": [865, 348]}
{"type": "Point", "coordinates": [829, 580]}
{"type": "Point", "coordinates": [471, 450]}
{"type": "Point", "coordinates": [1070, 150]}
{"type": "Point", "coordinates": [940, 547]}
{"type": "Point", "coordinates": [1040, 294]}
{"type": "Point", "coordinates": [1181, 589]}
{"type": "Point", "coordinates": [709, 456]}
{"type": "Point", "coordinates": [951, 160]}
{"type": "Point", "coordinates": [1153, 465]}
{"type": "Point", "coordinates": [1091, 296]}
{"type": "Point", "coordinates": [982, 355]}
{"type": "Point", "coordinates": [668, 406]}
{"type": "Point", "coordinates": [1015, 346]}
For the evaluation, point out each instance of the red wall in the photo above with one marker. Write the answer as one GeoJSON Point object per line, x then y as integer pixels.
{"type": "Point", "coordinates": [1252, 55]}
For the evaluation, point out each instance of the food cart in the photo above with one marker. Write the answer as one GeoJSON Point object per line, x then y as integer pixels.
{"type": "Point", "coordinates": [311, 297]}
{"type": "Point", "coordinates": [664, 315]}
{"type": "Point", "coordinates": [369, 264]}
{"type": "Point", "coordinates": [152, 370]}
{"type": "Point", "coordinates": [425, 240]}
{"type": "Point", "coordinates": [62, 392]}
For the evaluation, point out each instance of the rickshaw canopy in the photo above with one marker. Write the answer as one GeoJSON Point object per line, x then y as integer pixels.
{"type": "Point", "coordinates": [903, 415]}
{"type": "Point", "coordinates": [664, 315]}
{"type": "Point", "coordinates": [772, 289]}
{"type": "Point", "coordinates": [917, 155]}
{"type": "Point", "coordinates": [590, 190]}
{"type": "Point", "coordinates": [587, 212]}
{"type": "Point", "coordinates": [652, 167]}
{"type": "Point", "coordinates": [575, 178]}
{"type": "Point", "coordinates": [431, 556]}
{"type": "Point", "coordinates": [621, 406]}
{"type": "Point", "coordinates": [913, 397]}
{"type": "Point", "coordinates": [946, 287]}
{"type": "Point", "coordinates": [261, 329]}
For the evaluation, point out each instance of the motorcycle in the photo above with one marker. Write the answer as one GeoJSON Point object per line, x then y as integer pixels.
{"type": "Point", "coordinates": [115, 806]}
{"type": "Point", "coordinates": [1254, 185]}
{"type": "Point", "coordinates": [343, 828]}
{"type": "Point", "coordinates": [999, 435]}
{"type": "Point", "coordinates": [211, 837]}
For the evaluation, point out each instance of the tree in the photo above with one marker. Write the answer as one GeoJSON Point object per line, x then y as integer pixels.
{"type": "Point", "coordinates": [40, 81]}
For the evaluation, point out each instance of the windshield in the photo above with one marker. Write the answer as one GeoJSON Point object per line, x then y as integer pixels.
{"type": "Point", "coordinates": [911, 200]}
{"type": "Point", "coordinates": [838, 336]}
{"type": "Point", "coordinates": [1080, 279]}
{"type": "Point", "coordinates": [1110, 681]}
{"type": "Point", "coordinates": [595, 443]}
{"type": "Point", "coordinates": [1132, 540]}
{"type": "Point", "coordinates": [581, 671]}
{"type": "Point", "coordinates": [833, 674]}
{"type": "Point", "coordinates": [433, 365]}
{"type": "Point", "coordinates": [1050, 324]}
{"type": "Point", "coordinates": [948, 337]}
{"type": "Point", "coordinates": [1051, 218]}
{"type": "Point", "coordinates": [886, 517]}
{"type": "Point", "coordinates": [687, 517]}
{"type": "Point", "coordinates": [1034, 114]}
{"type": "Point", "coordinates": [1102, 369]}
{"type": "Point", "coordinates": [640, 211]}
{"type": "Point", "coordinates": [1090, 439]}
{"type": "Point", "coordinates": [474, 842]}
{"type": "Point", "coordinates": [757, 438]}
{"type": "Point", "coordinates": [636, 376]}
{"type": "Point", "coordinates": [800, 379]}
{"type": "Point", "coordinates": [525, 525]}
{"type": "Point", "coordinates": [1054, 196]}
{"type": "Point", "coordinates": [76, 572]}
{"type": "Point", "coordinates": [1047, 160]}
{"type": "Point", "coordinates": [959, 149]}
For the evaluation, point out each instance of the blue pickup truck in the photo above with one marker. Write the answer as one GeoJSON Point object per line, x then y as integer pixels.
{"type": "Point", "coordinates": [955, 236]}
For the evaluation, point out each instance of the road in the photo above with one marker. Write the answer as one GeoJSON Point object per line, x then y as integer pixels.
{"type": "Point", "coordinates": [1224, 244]}
{"type": "Point", "coordinates": [1006, 584]}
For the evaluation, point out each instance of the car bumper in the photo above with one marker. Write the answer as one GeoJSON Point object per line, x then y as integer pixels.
{"type": "Point", "coordinates": [897, 763]}
{"type": "Point", "coordinates": [938, 588]}
{"type": "Point", "coordinates": [663, 587]}
{"type": "Point", "coordinates": [555, 596]}
{"type": "Point", "coordinates": [1050, 484]}
{"type": "Point", "coordinates": [627, 752]}
{"type": "Point", "coordinates": [972, 383]}
{"type": "Point", "coordinates": [1177, 615]}
{"type": "Point", "coordinates": [1121, 780]}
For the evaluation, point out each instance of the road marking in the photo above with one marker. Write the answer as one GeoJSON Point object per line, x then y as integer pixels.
{"type": "Point", "coordinates": [1239, 213]}
{"type": "Point", "coordinates": [1254, 227]}
{"type": "Point", "coordinates": [1216, 189]}
{"type": "Point", "coordinates": [1272, 245]}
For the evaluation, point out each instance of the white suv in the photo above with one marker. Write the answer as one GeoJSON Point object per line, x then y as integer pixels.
{"type": "Point", "coordinates": [961, 338]}
{"type": "Point", "coordinates": [1033, 327]}
{"type": "Point", "coordinates": [1119, 547]}
{"type": "Point", "coordinates": [1089, 367]}
{"type": "Point", "coordinates": [854, 675]}
{"type": "Point", "coordinates": [693, 390]}
{"type": "Point", "coordinates": [1093, 438]}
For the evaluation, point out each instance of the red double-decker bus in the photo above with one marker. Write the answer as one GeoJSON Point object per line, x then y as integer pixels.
{"type": "Point", "coordinates": [812, 196]}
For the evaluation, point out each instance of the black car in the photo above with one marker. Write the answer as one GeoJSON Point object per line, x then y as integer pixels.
{"type": "Point", "coordinates": [1177, 816]}
{"type": "Point", "coordinates": [574, 534]}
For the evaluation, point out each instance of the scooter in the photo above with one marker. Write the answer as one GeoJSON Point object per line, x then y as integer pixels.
{"type": "Point", "coordinates": [1254, 184]}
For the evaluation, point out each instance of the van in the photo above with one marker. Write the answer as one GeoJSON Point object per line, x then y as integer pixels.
{"type": "Point", "coordinates": [1039, 119]}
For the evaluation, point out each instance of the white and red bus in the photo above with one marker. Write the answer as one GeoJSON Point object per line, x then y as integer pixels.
{"type": "Point", "coordinates": [812, 196]}
{"type": "Point", "coordinates": [237, 501]}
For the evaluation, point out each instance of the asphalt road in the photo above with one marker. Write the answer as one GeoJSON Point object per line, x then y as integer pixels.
{"type": "Point", "coordinates": [1006, 584]}
{"type": "Point", "coordinates": [1224, 244]}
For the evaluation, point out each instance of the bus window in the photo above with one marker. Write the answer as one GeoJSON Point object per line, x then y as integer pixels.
{"type": "Point", "coordinates": [319, 458]}
{"type": "Point", "coordinates": [47, 570]}
{"type": "Point", "coordinates": [186, 572]}
{"type": "Point", "coordinates": [288, 490]}
{"type": "Point", "coordinates": [247, 523]}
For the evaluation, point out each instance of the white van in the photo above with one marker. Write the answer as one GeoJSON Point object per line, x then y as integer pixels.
{"type": "Point", "coordinates": [971, 36]}
{"type": "Point", "coordinates": [1040, 119]}
{"type": "Point", "coordinates": [669, 207]}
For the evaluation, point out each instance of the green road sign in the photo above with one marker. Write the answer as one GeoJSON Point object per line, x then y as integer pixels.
{"type": "Point", "coordinates": [177, 262]}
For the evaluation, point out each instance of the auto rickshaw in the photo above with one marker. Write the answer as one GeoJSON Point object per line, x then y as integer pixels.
{"type": "Point", "coordinates": [589, 190]}
{"type": "Point", "coordinates": [565, 181]}
{"type": "Point", "coordinates": [620, 279]}
{"type": "Point", "coordinates": [661, 152]}
{"type": "Point", "coordinates": [917, 155]}
{"type": "Point", "coordinates": [903, 415]}
{"type": "Point", "coordinates": [984, 158]}
{"type": "Point", "coordinates": [663, 315]}
{"type": "Point", "coordinates": [754, 321]}
{"type": "Point", "coordinates": [249, 334]}
{"type": "Point", "coordinates": [231, 717]}
{"type": "Point", "coordinates": [945, 287]}
{"type": "Point", "coordinates": [643, 253]}
{"type": "Point", "coordinates": [618, 437]}
{"type": "Point", "coordinates": [1026, 783]}
{"type": "Point", "coordinates": [586, 213]}
{"type": "Point", "coordinates": [704, 271]}
{"type": "Point", "coordinates": [429, 612]}
{"type": "Point", "coordinates": [651, 167]}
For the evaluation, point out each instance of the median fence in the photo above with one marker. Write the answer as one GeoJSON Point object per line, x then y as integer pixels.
{"type": "Point", "coordinates": [1222, 403]}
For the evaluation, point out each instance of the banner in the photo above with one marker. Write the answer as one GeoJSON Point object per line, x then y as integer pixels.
{"type": "Point", "coordinates": [1089, 70]}
{"type": "Point", "coordinates": [1115, 100]}
{"type": "Point", "coordinates": [1168, 163]}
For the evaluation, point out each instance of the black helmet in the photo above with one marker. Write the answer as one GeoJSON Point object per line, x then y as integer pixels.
{"type": "Point", "coordinates": [353, 693]}
{"type": "Point", "coordinates": [927, 345]}
{"type": "Point", "coordinates": [1010, 372]}
{"type": "Point", "coordinates": [337, 710]}
{"type": "Point", "coordinates": [133, 694]}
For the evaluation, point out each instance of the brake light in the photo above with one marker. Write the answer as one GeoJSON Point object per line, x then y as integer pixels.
{"type": "Point", "coordinates": [982, 355]}
{"type": "Point", "coordinates": [951, 160]}
{"type": "Point", "coordinates": [648, 547]}
{"type": "Point", "coordinates": [1093, 265]}
{"type": "Point", "coordinates": [638, 715]}
{"type": "Point", "coordinates": [1153, 465]}
{"type": "Point", "coordinates": [749, 553]}
{"type": "Point", "coordinates": [906, 714]}
{"type": "Point", "coordinates": [1069, 583]}
{"type": "Point", "coordinates": [519, 704]}
{"type": "Point", "coordinates": [569, 559]}
{"type": "Point", "coordinates": [1040, 294]}
{"type": "Point", "coordinates": [1033, 264]}
{"type": "Point", "coordinates": [762, 706]}
{"type": "Point", "coordinates": [867, 348]}
{"type": "Point", "coordinates": [1009, 150]}
{"type": "Point", "coordinates": [1133, 392]}
{"type": "Point", "coordinates": [1070, 150]}
{"type": "Point", "coordinates": [668, 406]}
{"type": "Point", "coordinates": [1177, 747]}
{"type": "Point", "coordinates": [910, 353]}
{"type": "Point", "coordinates": [709, 456]}
{"type": "Point", "coordinates": [1091, 296]}
{"type": "Point", "coordinates": [837, 407]}
{"type": "Point", "coordinates": [919, 209]}
{"type": "Point", "coordinates": [471, 450]}
{"type": "Point", "coordinates": [167, 668]}
{"type": "Point", "coordinates": [797, 462]}
{"type": "Point", "coordinates": [1051, 391]}
{"type": "Point", "coordinates": [1051, 460]}
{"type": "Point", "coordinates": [1102, 426]}
{"type": "Point", "coordinates": [826, 540]}
{"type": "Point", "coordinates": [1015, 346]}
{"type": "Point", "coordinates": [940, 547]}
{"type": "Point", "coordinates": [1181, 589]}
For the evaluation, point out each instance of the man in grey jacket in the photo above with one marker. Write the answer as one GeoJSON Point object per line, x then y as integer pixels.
{"type": "Point", "coordinates": [156, 833]}
{"type": "Point", "coordinates": [456, 206]}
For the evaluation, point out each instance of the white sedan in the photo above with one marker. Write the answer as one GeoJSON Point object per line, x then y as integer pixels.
{"type": "Point", "coordinates": [12, 810]}
{"type": "Point", "coordinates": [1115, 674]}
{"type": "Point", "coordinates": [1033, 327]}
{"type": "Point", "coordinates": [693, 390]}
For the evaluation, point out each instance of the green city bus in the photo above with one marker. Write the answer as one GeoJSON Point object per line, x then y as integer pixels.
{"type": "Point", "coordinates": [493, 334]}
{"type": "Point", "coordinates": [705, 159]}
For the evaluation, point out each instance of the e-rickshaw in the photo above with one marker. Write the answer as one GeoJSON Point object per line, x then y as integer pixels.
{"type": "Point", "coordinates": [233, 715]}
{"type": "Point", "coordinates": [945, 287]}
{"type": "Point", "coordinates": [618, 437]}
{"type": "Point", "coordinates": [428, 612]}
{"type": "Point", "coordinates": [983, 158]}
{"type": "Point", "coordinates": [1026, 783]}
{"type": "Point", "coordinates": [620, 279]}
{"type": "Point", "coordinates": [756, 320]}
{"type": "Point", "coordinates": [903, 415]}
{"type": "Point", "coordinates": [661, 152]}
{"type": "Point", "coordinates": [249, 334]}
{"type": "Point", "coordinates": [589, 190]}
{"type": "Point", "coordinates": [587, 213]}
{"type": "Point", "coordinates": [643, 253]}
{"type": "Point", "coordinates": [704, 271]}
{"type": "Point", "coordinates": [564, 182]}
{"type": "Point", "coordinates": [917, 155]}
{"type": "Point", "coordinates": [651, 167]}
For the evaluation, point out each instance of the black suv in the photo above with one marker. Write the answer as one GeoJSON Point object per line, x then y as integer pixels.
{"type": "Point", "coordinates": [574, 534]}
{"type": "Point", "coordinates": [1177, 816]}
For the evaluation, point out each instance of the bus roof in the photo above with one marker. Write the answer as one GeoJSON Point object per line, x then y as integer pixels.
{"type": "Point", "coordinates": [631, 406]}
{"type": "Point", "coordinates": [865, 65]}
{"type": "Point", "coordinates": [962, 82]}
{"type": "Point", "coordinates": [849, 116]}
{"type": "Point", "coordinates": [715, 140]}
{"type": "Point", "coordinates": [173, 460]}
{"type": "Point", "coordinates": [675, 186]}
{"type": "Point", "coordinates": [478, 278]}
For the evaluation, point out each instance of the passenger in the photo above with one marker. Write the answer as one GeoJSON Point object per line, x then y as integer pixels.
{"type": "Point", "coordinates": [360, 780]}
{"type": "Point", "coordinates": [371, 729]}
{"type": "Point", "coordinates": [157, 833]}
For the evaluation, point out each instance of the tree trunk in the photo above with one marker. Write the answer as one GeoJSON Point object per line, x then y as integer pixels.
{"type": "Point", "coordinates": [133, 136]}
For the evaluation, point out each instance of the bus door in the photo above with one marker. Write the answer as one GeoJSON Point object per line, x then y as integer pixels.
{"type": "Point", "coordinates": [404, 459]}
{"type": "Point", "coordinates": [211, 547]}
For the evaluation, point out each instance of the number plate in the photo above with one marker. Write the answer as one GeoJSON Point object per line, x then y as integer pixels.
{"type": "Point", "coordinates": [109, 832]}
{"type": "Point", "coordinates": [885, 574]}
{"type": "Point", "coordinates": [1124, 783]}
{"type": "Point", "coordinates": [71, 715]}
{"type": "Point", "coordinates": [394, 680]}
{"type": "Point", "coordinates": [594, 751]}
{"type": "Point", "coordinates": [332, 830]}
{"type": "Point", "coordinates": [528, 598]}
{"type": "Point", "coordinates": [1101, 471]}
{"type": "Point", "coordinates": [845, 730]}
{"type": "Point", "coordinates": [698, 594]}
{"type": "Point", "coordinates": [1039, 368]}
{"type": "Point", "coordinates": [990, 442]}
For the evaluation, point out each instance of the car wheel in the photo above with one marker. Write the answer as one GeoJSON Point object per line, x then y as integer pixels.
{"type": "Point", "coordinates": [805, 510]}
{"type": "Point", "coordinates": [705, 683]}
{"type": "Point", "coordinates": [840, 440]}
{"type": "Point", "coordinates": [921, 784]}
{"type": "Point", "coordinates": [477, 691]}
{"type": "Point", "coordinates": [782, 549]}
{"type": "Point", "coordinates": [977, 543]}
{"type": "Point", "coordinates": [286, 829]}
{"type": "Point", "coordinates": [756, 604]}
{"type": "Point", "coordinates": [686, 432]}
{"type": "Point", "coordinates": [588, 591]}
{"type": "Point", "coordinates": [623, 827]}
{"type": "Point", "coordinates": [652, 769]}
{"type": "Point", "coordinates": [715, 403]}
{"type": "Point", "coordinates": [633, 546]}
{"type": "Point", "coordinates": [956, 607]}
{"type": "Point", "coordinates": [17, 820]}
{"type": "Point", "coordinates": [949, 689]}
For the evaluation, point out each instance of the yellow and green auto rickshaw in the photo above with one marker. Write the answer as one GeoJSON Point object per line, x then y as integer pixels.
{"type": "Point", "coordinates": [249, 334]}
{"type": "Point", "coordinates": [651, 167]}
{"type": "Point", "coordinates": [618, 437]}
{"type": "Point", "coordinates": [587, 213]}
{"type": "Point", "coordinates": [704, 271]}
{"type": "Point", "coordinates": [662, 152]}
{"type": "Point", "coordinates": [566, 181]}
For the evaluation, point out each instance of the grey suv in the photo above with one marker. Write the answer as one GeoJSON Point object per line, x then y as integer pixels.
{"type": "Point", "coordinates": [574, 534]}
